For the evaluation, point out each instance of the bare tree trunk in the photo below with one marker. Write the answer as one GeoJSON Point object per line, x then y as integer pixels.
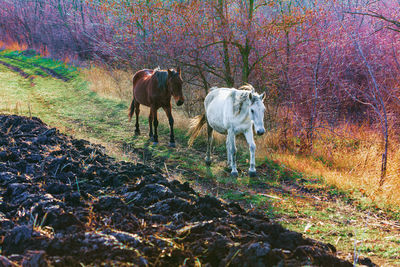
{"type": "Point", "coordinates": [380, 109]}
{"type": "Point", "coordinates": [384, 155]}
{"type": "Point", "coordinates": [227, 72]}
{"type": "Point", "coordinates": [226, 58]}
{"type": "Point", "coordinates": [245, 51]}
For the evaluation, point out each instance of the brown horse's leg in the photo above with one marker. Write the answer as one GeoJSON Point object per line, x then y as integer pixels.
{"type": "Point", "coordinates": [151, 124]}
{"type": "Point", "coordinates": [155, 121]}
{"type": "Point", "coordinates": [171, 126]}
{"type": "Point", "coordinates": [137, 111]}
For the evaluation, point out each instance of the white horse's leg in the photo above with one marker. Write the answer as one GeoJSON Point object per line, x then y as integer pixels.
{"type": "Point", "coordinates": [228, 152]}
{"type": "Point", "coordinates": [232, 152]}
{"type": "Point", "coordinates": [252, 147]}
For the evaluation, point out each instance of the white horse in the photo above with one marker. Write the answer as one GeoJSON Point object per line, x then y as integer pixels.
{"type": "Point", "coordinates": [231, 111]}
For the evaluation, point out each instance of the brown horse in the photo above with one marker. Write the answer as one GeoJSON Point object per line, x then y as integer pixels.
{"type": "Point", "coordinates": [154, 88]}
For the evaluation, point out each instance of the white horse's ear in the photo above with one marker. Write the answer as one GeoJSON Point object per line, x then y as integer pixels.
{"type": "Point", "coordinates": [263, 96]}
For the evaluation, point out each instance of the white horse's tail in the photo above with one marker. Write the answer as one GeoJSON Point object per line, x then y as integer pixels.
{"type": "Point", "coordinates": [195, 127]}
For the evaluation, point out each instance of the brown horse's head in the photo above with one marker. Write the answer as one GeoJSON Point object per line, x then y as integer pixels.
{"type": "Point", "coordinates": [174, 83]}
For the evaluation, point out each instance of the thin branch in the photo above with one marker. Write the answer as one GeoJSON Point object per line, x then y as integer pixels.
{"type": "Point", "coordinates": [379, 16]}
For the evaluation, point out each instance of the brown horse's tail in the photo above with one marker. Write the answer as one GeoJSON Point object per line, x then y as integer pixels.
{"type": "Point", "coordinates": [131, 109]}
{"type": "Point", "coordinates": [195, 127]}
{"type": "Point", "coordinates": [135, 78]}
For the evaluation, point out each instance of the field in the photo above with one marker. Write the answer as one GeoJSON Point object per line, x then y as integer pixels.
{"type": "Point", "coordinates": [285, 189]}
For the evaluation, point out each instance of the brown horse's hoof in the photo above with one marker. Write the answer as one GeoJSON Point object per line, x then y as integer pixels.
{"type": "Point", "coordinates": [208, 162]}
{"type": "Point", "coordinates": [171, 144]}
{"type": "Point", "coordinates": [137, 133]}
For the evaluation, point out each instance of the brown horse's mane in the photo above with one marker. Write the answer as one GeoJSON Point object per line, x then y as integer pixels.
{"type": "Point", "coordinates": [161, 76]}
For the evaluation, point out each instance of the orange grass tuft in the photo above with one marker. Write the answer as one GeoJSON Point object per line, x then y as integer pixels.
{"type": "Point", "coordinates": [43, 51]}
{"type": "Point", "coordinates": [69, 58]}
{"type": "Point", "coordinates": [13, 46]}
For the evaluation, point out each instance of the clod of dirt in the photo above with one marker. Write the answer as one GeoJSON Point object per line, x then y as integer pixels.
{"type": "Point", "coordinates": [61, 198]}
{"type": "Point", "coordinates": [35, 259]}
{"type": "Point", "coordinates": [5, 262]}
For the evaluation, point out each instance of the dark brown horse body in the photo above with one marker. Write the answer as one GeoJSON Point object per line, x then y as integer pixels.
{"type": "Point", "coordinates": [154, 88]}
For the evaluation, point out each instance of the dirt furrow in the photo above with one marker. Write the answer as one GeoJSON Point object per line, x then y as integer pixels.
{"type": "Point", "coordinates": [16, 69]}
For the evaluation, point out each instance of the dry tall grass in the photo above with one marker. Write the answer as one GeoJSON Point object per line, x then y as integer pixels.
{"type": "Point", "coordinates": [349, 161]}
{"type": "Point", "coordinates": [110, 83]}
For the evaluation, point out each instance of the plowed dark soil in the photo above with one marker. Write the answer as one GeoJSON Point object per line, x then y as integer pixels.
{"type": "Point", "coordinates": [65, 202]}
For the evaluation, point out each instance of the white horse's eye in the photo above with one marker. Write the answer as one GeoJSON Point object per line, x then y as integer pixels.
{"type": "Point", "coordinates": [252, 111]}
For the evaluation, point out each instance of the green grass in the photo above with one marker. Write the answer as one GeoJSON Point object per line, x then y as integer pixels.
{"type": "Point", "coordinates": [31, 70]}
{"type": "Point", "coordinates": [29, 62]}
{"type": "Point", "coordinates": [301, 203]}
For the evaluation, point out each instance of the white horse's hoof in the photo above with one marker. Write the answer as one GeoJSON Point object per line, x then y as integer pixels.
{"type": "Point", "coordinates": [234, 174]}
{"type": "Point", "coordinates": [252, 173]}
{"type": "Point", "coordinates": [155, 143]}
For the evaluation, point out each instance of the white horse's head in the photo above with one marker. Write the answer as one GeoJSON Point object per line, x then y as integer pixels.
{"type": "Point", "coordinates": [256, 111]}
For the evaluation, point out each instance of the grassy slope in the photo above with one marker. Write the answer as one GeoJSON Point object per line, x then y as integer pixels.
{"type": "Point", "coordinates": [304, 204]}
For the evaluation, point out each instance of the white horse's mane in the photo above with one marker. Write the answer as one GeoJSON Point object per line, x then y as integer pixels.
{"type": "Point", "coordinates": [247, 87]}
{"type": "Point", "coordinates": [240, 100]}
{"type": "Point", "coordinates": [242, 97]}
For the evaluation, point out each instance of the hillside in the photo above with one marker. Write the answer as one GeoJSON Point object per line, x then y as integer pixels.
{"type": "Point", "coordinates": [58, 95]}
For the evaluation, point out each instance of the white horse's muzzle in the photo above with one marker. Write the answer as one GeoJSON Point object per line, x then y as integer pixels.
{"type": "Point", "coordinates": [260, 131]}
